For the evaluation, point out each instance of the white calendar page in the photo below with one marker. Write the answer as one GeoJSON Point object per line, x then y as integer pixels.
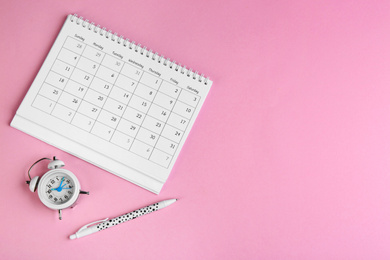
{"type": "Point", "coordinates": [111, 105]}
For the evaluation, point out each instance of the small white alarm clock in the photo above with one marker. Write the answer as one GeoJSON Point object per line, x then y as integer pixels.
{"type": "Point", "coordinates": [58, 188]}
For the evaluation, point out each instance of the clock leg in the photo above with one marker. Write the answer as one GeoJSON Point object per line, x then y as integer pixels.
{"type": "Point", "coordinates": [60, 214]}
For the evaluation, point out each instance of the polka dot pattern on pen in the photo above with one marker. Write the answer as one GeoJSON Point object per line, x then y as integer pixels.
{"type": "Point", "coordinates": [127, 217]}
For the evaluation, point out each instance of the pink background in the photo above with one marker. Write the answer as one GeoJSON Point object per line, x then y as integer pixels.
{"type": "Point", "coordinates": [289, 157]}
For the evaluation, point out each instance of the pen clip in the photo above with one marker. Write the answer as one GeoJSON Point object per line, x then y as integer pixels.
{"type": "Point", "coordinates": [95, 222]}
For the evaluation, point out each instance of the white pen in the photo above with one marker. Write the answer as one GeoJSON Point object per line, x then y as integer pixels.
{"type": "Point", "coordinates": [105, 223]}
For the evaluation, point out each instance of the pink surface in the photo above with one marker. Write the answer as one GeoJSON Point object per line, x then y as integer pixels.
{"type": "Point", "coordinates": [289, 158]}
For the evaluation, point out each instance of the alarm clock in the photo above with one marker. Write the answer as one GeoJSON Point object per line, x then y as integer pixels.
{"type": "Point", "coordinates": [58, 188]}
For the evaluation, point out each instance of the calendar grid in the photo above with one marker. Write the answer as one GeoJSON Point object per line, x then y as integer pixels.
{"type": "Point", "coordinates": [114, 100]}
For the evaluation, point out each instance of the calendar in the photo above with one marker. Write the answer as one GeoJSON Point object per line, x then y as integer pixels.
{"type": "Point", "coordinates": [113, 103]}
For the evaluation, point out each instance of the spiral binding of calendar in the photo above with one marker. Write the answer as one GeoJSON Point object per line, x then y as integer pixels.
{"type": "Point", "coordinates": [138, 48]}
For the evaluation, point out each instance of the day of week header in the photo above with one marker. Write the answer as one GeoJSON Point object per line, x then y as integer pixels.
{"type": "Point", "coordinates": [98, 45]}
{"type": "Point", "coordinates": [155, 72]}
{"type": "Point", "coordinates": [174, 81]}
{"type": "Point", "coordinates": [193, 89]}
{"type": "Point", "coordinates": [117, 54]}
{"type": "Point", "coordinates": [79, 37]}
{"type": "Point", "coordinates": [136, 63]}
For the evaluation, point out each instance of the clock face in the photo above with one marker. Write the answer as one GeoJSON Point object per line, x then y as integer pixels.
{"type": "Point", "coordinates": [58, 189]}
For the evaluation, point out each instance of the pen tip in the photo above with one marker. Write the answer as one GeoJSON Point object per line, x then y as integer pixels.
{"type": "Point", "coordinates": [72, 237]}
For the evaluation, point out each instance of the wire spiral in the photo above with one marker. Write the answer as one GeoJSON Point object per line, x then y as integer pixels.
{"type": "Point", "coordinates": [138, 48]}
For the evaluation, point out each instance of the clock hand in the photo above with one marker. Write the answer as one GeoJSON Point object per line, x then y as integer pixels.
{"type": "Point", "coordinates": [60, 183]}
{"type": "Point", "coordinates": [59, 188]}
